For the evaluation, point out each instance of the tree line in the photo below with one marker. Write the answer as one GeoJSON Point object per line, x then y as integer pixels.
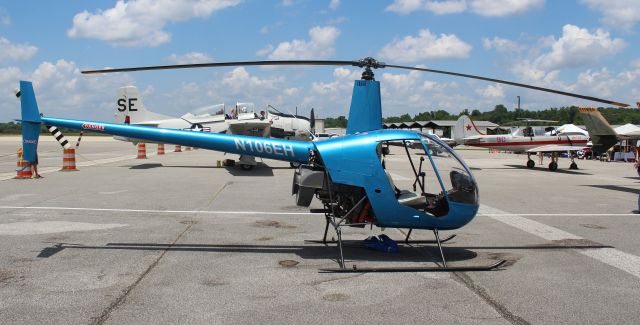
{"type": "Point", "coordinates": [501, 115]}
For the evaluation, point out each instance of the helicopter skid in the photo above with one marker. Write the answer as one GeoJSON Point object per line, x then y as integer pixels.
{"type": "Point", "coordinates": [468, 268]}
{"type": "Point", "coordinates": [353, 243]}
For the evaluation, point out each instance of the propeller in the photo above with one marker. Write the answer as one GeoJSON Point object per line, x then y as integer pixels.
{"type": "Point", "coordinates": [312, 119]}
{"type": "Point", "coordinates": [366, 63]}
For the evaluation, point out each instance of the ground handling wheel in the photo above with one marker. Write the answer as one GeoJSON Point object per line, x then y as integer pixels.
{"type": "Point", "coordinates": [530, 163]}
{"type": "Point", "coordinates": [553, 166]}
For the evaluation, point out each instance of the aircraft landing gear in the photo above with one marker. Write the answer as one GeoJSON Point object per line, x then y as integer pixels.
{"type": "Point", "coordinates": [246, 167]}
{"type": "Point", "coordinates": [247, 162]}
{"type": "Point", "coordinates": [553, 165]}
{"type": "Point", "coordinates": [530, 163]}
{"type": "Point", "coordinates": [294, 164]}
{"type": "Point", "coordinates": [356, 269]}
{"type": "Point", "coordinates": [573, 164]}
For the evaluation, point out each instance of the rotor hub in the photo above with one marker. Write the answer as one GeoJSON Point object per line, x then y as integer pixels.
{"type": "Point", "coordinates": [368, 63]}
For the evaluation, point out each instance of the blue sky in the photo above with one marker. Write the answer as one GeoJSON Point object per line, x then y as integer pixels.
{"type": "Point", "coordinates": [584, 46]}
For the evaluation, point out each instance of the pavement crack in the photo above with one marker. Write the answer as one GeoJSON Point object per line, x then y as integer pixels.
{"type": "Point", "coordinates": [106, 313]}
{"type": "Point", "coordinates": [466, 280]}
{"type": "Point", "coordinates": [215, 195]}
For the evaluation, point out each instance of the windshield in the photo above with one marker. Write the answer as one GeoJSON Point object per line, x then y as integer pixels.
{"type": "Point", "coordinates": [455, 176]}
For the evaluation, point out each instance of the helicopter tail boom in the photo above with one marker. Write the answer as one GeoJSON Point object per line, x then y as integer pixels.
{"type": "Point", "coordinates": [287, 150]}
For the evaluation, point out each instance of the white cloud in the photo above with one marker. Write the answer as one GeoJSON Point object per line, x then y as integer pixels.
{"type": "Point", "coordinates": [620, 13]}
{"type": "Point", "coordinates": [446, 7]}
{"type": "Point", "coordinates": [500, 8]}
{"type": "Point", "coordinates": [320, 45]}
{"type": "Point", "coordinates": [15, 52]}
{"type": "Point", "coordinates": [140, 23]}
{"type": "Point", "coordinates": [62, 91]}
{"type": "Point", "coordinates": [495, 91]}
{"type": "Point", "coordinates": [5, 19]}
{"type": "Point", "coordinates": [190, 58]}
{"type": "Point", "coordinates": [425, 46]}
{"type": "Point", "coordinates": [405, 6]}
{"type": "Point", "coordinates": [287, 3]}
{"type": "Point", "coordinates": [265, 50]}
{"type": "Point", "coordinates": [578, 47]}
{"type": "Point", "coordinates": [334, 4]}
{"type": "Point", "coordinates": [489, 8]}
{"type": "Point", "coordinates": [502, 45]}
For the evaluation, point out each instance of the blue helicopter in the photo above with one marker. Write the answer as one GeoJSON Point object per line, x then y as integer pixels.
{"type": "Point", "coordinates": [348, 174]}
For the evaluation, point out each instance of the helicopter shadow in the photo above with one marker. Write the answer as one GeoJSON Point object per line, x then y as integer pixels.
{"type": "Point", "coordinates": [422, 253]}
{"type": "Point", "coordinates": [559, 170]}
{"type": "Point", "coordinates": [159, 165]}
{"type": "Point", "coordinates": [616, 188]}
{"type": "Point", "coordinates": [146, 166]}
{"type": "Point", "coordinates": [261, 170]}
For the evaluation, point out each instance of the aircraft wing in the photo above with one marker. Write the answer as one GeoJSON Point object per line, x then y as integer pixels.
{"type": "Point", "coordinates": [556, 148]}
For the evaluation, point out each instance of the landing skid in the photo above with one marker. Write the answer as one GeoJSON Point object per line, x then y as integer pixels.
{"type": "Point", "coordinates": [476, 268]}
{"type": "Point", "coordinates": [360, 243]}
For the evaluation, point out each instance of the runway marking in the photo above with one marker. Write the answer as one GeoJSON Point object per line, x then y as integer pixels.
{"type": "Point", "coordinates": [160, 211]}
{"type": "Point", "coordinates": [623, 261]}
{"type": "Point", "coordinates": [51, 227]}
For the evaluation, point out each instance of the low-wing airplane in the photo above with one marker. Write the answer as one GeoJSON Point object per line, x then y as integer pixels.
{"type": "Point", "coordinates": [347, 174]}
{"type": "Point", "coordinates": [241, 120]}
{"type": "Point", "coordinates": [530, 140]}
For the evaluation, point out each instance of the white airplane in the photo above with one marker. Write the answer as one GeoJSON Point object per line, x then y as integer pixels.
{"type": "Point", "coordinates": [602, 134]}
{"type": "Point", "coordinates": [530, 140]}
{"type": "Point", "coordinates": [241, 120]}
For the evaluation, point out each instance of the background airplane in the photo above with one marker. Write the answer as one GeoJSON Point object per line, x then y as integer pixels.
{"type": "Point", "coordinates": [241, 120]}
{"type": "Point", "coordinates": [529, 140]}
{"type": "Point", "coordinates": [602, 134]}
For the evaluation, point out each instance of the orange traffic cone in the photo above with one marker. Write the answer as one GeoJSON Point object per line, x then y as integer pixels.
{"type": "Point", "coordinates": [160, 149]}
{"type": "Point", "coordinates": [69, 160]}
{"type": "Point", "coordinates": [142, 151]}
{"type": "Point", "coordinates": [24, 170]}
{"type": "Point", "coordinates": [178, 149]}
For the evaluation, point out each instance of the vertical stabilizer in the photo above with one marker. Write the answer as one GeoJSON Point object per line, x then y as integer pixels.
{"type": "Point", "coordinates": [603, 136]}
{"type": "Point", "coordinates": [365, 113]}
{"type": "Point", "coordinates": [129, 103]}
{"type": "Point", "coordinates": [465, 128]}
{"type": "Point", "coordinates": [30, 121]}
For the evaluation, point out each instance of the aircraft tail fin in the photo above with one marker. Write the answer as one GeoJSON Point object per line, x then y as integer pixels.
{"type": "Point", "coordinates": [30, 120]}
{"type": "Point", "coordinates": [129, 103]}
{"type": "Point", "coordinates": [365, 113]}
{"type": "Point", "coordinates": [603, 136]}
{"type": "Point", "coordinates": [464, 128]}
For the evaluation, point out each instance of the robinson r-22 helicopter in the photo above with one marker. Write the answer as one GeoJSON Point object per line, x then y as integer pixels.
{"type": "Point", "coordinates": [347, 174]}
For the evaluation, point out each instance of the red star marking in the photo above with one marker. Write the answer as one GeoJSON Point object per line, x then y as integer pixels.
{"type": "Point", "coordinates": [468, 127]}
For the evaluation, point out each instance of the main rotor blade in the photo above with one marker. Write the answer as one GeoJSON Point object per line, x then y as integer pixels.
{"type": "Point", "coordinates": [512, 84]}
{"type": "Point", "coordinates": [225, 64]}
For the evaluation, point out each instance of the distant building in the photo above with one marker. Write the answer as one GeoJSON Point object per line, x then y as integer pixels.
{"type": "Point", "coordinates": [442, 128]}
